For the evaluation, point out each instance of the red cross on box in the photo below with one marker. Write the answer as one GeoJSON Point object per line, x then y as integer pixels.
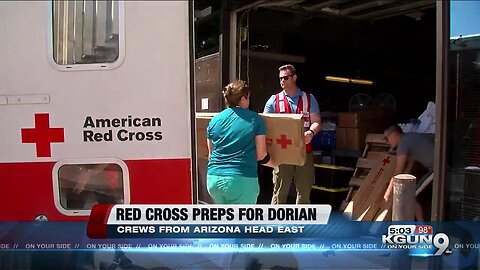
{"type": "Point", "coordinates": [42, 135]}
{"type": "Point", "coordinates": [386, 161]}
{"type": "Point", "coordinates": [283, 141]}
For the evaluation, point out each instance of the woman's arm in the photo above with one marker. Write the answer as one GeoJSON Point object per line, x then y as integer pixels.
{"type": "Point", "coordinates": [210, 147]}
{"type": "Point", "coordinates": [261, 145]}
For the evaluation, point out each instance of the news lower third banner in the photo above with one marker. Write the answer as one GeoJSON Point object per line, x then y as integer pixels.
{"type": "Point", "coordinates": [338, 241]}
{"type": "Point", "coordinates": [206, 221]}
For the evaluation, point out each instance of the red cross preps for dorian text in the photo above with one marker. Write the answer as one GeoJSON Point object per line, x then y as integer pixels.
{"type": "Point", "coordinates": [42, 135]}
{"type": "Point", "coordinates": [283, 141]}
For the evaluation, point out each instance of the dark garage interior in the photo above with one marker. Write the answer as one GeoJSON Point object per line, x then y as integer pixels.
{"type": "Point", "coordinates": [391, 43]}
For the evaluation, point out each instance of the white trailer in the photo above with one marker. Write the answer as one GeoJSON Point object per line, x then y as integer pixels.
{"type": "Point", "coordinates": [95, 106]}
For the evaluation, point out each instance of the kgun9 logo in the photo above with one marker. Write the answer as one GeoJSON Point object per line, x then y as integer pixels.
{"type": "Point", "coordinates": [410, 237]}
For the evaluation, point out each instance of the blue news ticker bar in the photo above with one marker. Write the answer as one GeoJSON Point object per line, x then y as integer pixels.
{"type": "Point", "coordinates": [342, 238]}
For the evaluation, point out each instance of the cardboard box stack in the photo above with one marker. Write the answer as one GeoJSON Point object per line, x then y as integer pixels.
{"type": "Point", "coordinates": [353, 127]}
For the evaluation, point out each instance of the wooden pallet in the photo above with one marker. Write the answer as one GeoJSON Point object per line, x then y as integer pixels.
{"type": "Point", "coordinates": [369, 182]}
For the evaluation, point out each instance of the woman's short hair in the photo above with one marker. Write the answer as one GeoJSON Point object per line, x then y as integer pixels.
{"type": "Point", "coordinates": [234, 91]}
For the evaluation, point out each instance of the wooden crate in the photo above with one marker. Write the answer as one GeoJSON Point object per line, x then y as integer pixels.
{"type": "Point", "coordinates": [369, 182]}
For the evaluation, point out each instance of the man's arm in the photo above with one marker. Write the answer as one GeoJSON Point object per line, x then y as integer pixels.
{"type": "Point", "coordinates": [315, 126]}
{"type": "Point", "coordinates": [315, 119]}
{"type": "Point", "coordinates": [401, 164]}
{"type": "Point", "coordinates": [270, 105]}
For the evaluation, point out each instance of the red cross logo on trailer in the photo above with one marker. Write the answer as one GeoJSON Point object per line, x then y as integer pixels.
{"type": "Point", "coordinates": [42, 135]}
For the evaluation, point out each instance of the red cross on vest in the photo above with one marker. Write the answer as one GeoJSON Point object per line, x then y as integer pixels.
{"type": "Point", "coordinates": [283, 106]}
{"type": "Point", "coordinates": [42, 135]}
